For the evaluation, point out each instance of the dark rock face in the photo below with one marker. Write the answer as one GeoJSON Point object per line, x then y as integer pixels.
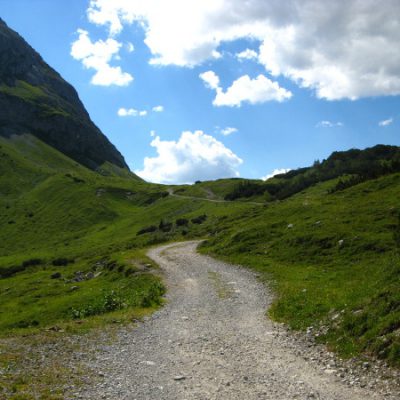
{"type": "Point", "coordinates": [35, 99]}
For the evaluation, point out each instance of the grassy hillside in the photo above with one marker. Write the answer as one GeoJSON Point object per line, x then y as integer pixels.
{"type": "Point", "coordinates": [333, 260]}
{"type": "Point", "coordinates": [73, 246]}
{"type": "Point", "coordinates": [69, 246]}
{"type": "Point", "coordinates": [212, 190]}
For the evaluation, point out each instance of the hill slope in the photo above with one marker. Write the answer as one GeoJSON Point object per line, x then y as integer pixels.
{"type": "Point", "coordinates": [34, 99]}
{"type": "Point", "coordinates": [73, 240]}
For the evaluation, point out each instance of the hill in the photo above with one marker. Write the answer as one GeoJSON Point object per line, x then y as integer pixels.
{"type": "Point", "coordinates": [34, 99]}
{"type": "Point", "coordinates": [73, 243]}
{"type": "Point", "coordinates": [76, 225]}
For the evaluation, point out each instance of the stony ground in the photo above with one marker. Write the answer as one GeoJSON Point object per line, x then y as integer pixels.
{"type": "Point", "coordinates": [213, 341]}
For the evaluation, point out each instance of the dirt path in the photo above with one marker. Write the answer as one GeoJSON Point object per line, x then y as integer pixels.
{"type": "Point", "coordinates": [211, 341]}
{"type": "Point", "coordinates": [171, 193]}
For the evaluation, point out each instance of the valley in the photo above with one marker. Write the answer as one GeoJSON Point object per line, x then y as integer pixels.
{"type": "Point", "coordinates": [110, 284]}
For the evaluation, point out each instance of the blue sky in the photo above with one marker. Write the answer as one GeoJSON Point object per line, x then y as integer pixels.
{"type": "Point", "coordinates": [244, 89]}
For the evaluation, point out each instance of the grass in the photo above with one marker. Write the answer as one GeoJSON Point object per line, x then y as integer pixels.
{"type": "Point", "coordinates": [213, 190]}
{"type": "Point", "coordinates": [71, 259]}
{"type": "Point", "coordinates": [57, 210]}
{"type": "Point", "coordinates": [73, 250]}
{"type": "Point", "coordinates": [24, 90]}
{"type": "Point", "coordinates": [332, 261]}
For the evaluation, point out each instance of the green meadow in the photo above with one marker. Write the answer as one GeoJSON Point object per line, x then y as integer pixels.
{"type": "Point", "coordinates": [73, 245]}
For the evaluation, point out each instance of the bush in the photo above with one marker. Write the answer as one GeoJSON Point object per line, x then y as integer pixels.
{"type": "Point", "coordinates": [109, 302]}
{"type": "Point", "coordinates": [182, 222]}
{"type": "Point", "coordinates": [147, 229]}
{"type": "Point", "coordinates": [397, 233]}
{"type": "Point", "coordinates": [62, 262]}
{"type": "Point", "coordinates": [6, 272]}
{"type": "Point", "coordinates": [199, 220]}
{"type": "Point", "coordinates": [246, 189]}
{"type": "Point", "coordinates": [32, 262]}
{"type": "Point", "coordinates": [153, 197]}
{"type": "Point", "coordinates": [129, 272]}
{"type": "Point", "coordinates": [165, 226]}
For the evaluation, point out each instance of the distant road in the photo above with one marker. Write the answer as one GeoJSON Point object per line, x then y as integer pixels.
{"type": "Point", "coordinates": [171, 193]}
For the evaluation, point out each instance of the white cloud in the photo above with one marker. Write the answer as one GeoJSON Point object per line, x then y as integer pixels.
{"type": "Point", "coordinates": [158, 109]}
{"type": "Point", "coordinates": [276, 172]}
{"type": "Point", "coordinates": [194, 156]}
{"type": "Point", "coordinates": [228, 131]}
{"type": "Point", "coordinates": [130, 47]}
{"type": "Point", "coordinates": [247, 54]}
{"type": "Point", "coordinates": [152, 133]}
{"type": "Point", "coordinates": [386, 122]}
{"type": "Point", "coordinates": [328, 124]}
{"type": "Point", "coordinates": [131, 112]}
{"type": "Point", "coordinates": [245, 89]}
{"type": "Point", "coordinates": [97, 56]}
{"type": "Point", "coordinates": [340, 49]}
{"type": "Point", "coordinates": [210, 79]}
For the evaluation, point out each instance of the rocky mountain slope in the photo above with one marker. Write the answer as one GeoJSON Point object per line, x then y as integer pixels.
{"type": "Point", "coordinates": [35, 99]}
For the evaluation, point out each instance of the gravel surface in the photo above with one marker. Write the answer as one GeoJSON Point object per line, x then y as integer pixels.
{"type": "Point", "coordinates": [213, 340]}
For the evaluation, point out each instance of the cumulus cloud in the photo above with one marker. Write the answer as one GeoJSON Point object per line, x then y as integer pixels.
{"type": "Point", "coordinates": [210, 79]}
{"type": "Point", "coordinates": [328, 124]}
{"type": "Point", "coordinates": [97, 56]}
{"type": "Point", "coordinates": [130, 47]}
{"type": "Point", "coordinates": [194, 156]}
{"type": "Point", "coordinates": [276, 172]}
{"type": "Point", "coordinates": [228, 131]}
{"type": "Point", "coordinates": [158, 109]}
{"type": "Point", "coordinates": [247, 54]}
{"type": "Point", "coordinates": [131, 112]}
{"type": "Point", "coordinates": [245, 89]}
{"type": "Point", "coordinates": [386, 122]}
{"type": "Point", "coordinates": [340, 49]}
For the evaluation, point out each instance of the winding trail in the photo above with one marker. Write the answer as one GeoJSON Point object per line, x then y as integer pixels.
{"type": "Point", "coordinates": [212, 340]}
{"type": "Point", "coordinates": [172, 194]}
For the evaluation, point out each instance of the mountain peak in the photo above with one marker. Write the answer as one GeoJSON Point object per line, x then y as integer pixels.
{"type": "Point", "coordinates": [35, 99]}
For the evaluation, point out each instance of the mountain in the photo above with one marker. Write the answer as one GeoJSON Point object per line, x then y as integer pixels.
{"type": "Point", "coordinates": [73, 241]}
{"type": "Point", "coordinates": [36, 100]}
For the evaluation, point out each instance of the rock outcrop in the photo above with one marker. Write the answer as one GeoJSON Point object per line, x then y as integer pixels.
{"type": "Point", "coordinates": [35, 99]}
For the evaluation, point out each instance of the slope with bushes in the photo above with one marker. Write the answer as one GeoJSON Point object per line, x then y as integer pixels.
{"type": "Point", "coordinates": [72, 240]}
{"type": "Point", "coordinates": [333, 259]}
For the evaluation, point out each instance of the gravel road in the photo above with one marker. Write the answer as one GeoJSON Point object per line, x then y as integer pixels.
{"type": "Point", "coordinates": [212, 340]}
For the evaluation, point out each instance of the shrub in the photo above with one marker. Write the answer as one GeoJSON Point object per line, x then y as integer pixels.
{"type": "Point", "coordinates": [32, 262]}
{"type": "Point", "coordinates": [397, 233]}
{"type": "Point", "coordinates": [6, 272]}
{"type": "Point", "coordinates": [129, 272]}
{"type": "Point", "coordinates": [246, 189]}
{"type": "Point", "coordinates": [147, 229]}
{"type": "Point", "coordinates": [165, 226]}
{"type": "Point", "coordinates": [153, 197]}
{"type": "Point", "coordinates": [182, 222]}
{"type": "Point", "coordinates": [62, 262]}
{"type": "Point", "coordinates": [199, 220]}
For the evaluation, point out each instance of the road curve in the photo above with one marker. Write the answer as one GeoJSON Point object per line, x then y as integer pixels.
{"type": "Point", "coordinates": [212, 340]}
{"type": "Point", "coordinates": [172, 194]}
